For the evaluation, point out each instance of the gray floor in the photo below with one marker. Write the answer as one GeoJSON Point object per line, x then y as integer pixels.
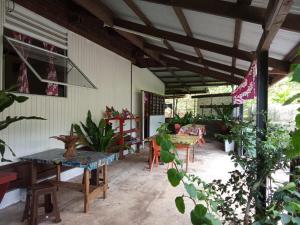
{"type": "Point", "coordinates": [135, 195]}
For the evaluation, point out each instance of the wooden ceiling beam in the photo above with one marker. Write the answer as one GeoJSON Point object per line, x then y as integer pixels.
{"type": "Point", "coordinates": [205, 72]}
{"type": "Point", "coordinates": [276, 15]}
{"type": "Point", "coordinates": [232, 10]}
{"type": "Point", "coordinates": [238, 31]}
{"type": "Point", "coordinates": [195, 59]}
{"type": "Point", "coordinates": [199, 84]}
{"type": "Point", "coordinates": [148, 23]}
{"type": "Point", "coordinates": [102, 12]}
{"type": "Point", "coordinates": [184, 23]}
{"type": "Point", "coordinates": [181, 76]}
{"type": "Point", "coordinates": [209, 46]}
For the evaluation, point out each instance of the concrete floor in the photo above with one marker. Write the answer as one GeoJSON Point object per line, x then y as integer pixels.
{"type": "Point", "coordinates": [135, 196]}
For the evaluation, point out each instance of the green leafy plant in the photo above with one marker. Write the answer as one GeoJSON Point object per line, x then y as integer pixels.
{"type": "Point", "coordinates": [96, 136]}
{"type": "Point", "coordinates": [6, 100]}
{"type": "Point", "coordinates": [232, 202]}
{"type": "Point", "coordinates": [186, 119]}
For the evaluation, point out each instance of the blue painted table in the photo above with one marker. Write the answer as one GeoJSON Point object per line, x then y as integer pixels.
{"type": "Point", "coordinates": [88, 160]}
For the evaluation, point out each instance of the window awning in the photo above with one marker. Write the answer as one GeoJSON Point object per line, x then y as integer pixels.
{"type": "Point", "coordinates": [72, 76]}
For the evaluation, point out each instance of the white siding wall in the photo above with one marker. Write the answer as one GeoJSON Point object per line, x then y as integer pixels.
{"type": "Point", "coordinates": [108, 71]}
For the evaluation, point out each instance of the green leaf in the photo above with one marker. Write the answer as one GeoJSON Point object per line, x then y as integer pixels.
{"type": "Point", "coordinates": [296, 73]}
{"type": "Point", "coordinates": [21, 99]}
{"type": "Point", "coordinates": [297, 119]}
{"type": "Point", "coordinates": [212, 219]}
{"type": "Point", "coordinates": [198, 215]}
{"type": "Point", "coordinates": [292, 99]}
{"type": "Point", "coordinates": [180, 204]}
{"type": "Point", "coordinates": [165, 144]}
{"type": "Point", "coordinates": [292, 207]}
{"type": "Point", "coordinates": [296, 220]}
{"type": "Point", "coordinates": [296, 140]}
{"type": "Point", "coordinates": [191, 190]}
{"type": "Point", "coordinates": [158, 139]}
{"type": "Point", "coordinates": [201, 196]}
{"type": "Point", "coordinates": [174, 177]}
{"type": "Point", "coordinates": [290, 186]}
{"type": "Point", "coordinates": [166, 156]}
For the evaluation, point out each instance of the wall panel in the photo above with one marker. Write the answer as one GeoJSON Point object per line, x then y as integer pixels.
{"type": "Point", "coordinates": [108, 71]}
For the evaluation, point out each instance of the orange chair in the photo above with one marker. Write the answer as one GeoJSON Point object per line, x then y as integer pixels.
{"type": "Point", "coordinates": [156, 153]}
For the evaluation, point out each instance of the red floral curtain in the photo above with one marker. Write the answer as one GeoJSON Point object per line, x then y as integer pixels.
{"type": "Point", "coordinates": [247, 89]}
{"type": "Point", "coordinates": [22, 82]}
{"type": "Point", "coordinates": [52, 89]}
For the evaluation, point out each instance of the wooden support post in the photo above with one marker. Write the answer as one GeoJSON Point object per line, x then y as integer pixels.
{"type": "Point", "coordinates": [261, 122]}
{"type": "Point", "coordinates": [33, 174]}
{"type": "Point", "coordinates": [86, 189]}
{"type": "Point", "coordinates": [105, 180]}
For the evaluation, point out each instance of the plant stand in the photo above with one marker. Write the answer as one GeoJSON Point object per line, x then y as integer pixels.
{"type": "Point", "coordinates": [5, 178]}
{"type": "Point", "coordinates": [133, 141]}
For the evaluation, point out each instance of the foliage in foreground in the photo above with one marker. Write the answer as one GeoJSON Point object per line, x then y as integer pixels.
{"type": "Point", "coordinates": [233, 202]}
{"type": "Point", "coordinates": [6, 100]}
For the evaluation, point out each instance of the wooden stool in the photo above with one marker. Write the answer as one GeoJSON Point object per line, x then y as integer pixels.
{"type": "Point", "coordinates": [47, 190]}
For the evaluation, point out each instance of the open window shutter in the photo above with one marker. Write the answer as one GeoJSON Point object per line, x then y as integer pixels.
{"type": "Point", "coordinates": [26, 22]}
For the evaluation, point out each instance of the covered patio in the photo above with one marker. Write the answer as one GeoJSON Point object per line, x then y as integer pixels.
{"type": "Point", "coordinates": [98, 78]}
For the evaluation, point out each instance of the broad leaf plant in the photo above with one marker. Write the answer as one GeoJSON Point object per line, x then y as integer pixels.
{"type": "Point", "coordinates": [6, 100]}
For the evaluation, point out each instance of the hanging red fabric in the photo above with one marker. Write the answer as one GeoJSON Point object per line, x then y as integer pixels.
{"type": "Point", "coordinates": [22, 81]}
{"type": "Point", "coordinates": [247, 89]}
{"type": "Point", "coordinates": [52, 89]}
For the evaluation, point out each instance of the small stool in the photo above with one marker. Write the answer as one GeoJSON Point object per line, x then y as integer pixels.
{"type": "Point", "coordinates": [47, 190]}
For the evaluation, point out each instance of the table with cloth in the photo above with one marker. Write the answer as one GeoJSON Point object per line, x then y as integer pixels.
{"type": "Point", "coordinates": [88, 160]}
{"type": "Point", "coordinates": [194, 130]}
{"type": "Point", "coordinates": [181, 142]}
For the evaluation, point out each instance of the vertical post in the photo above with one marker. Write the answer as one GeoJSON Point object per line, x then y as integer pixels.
{"type": "Point", "coordinates": [2, 18]}
{"type": "Point", "coordinates": [173, 107]}
{"type": "Point", "coordinates": [241, 112]}
{"type": "Point", "coordinates": [261, 122]}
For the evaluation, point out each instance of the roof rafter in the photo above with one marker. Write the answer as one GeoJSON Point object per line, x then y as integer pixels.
{"type": "Point", "coordinates": [184, 23]}
{"type": "Point", "coordinates": [232, 10]}
{"type": "Point", "coordinates": [102, 12]}
{"type": "Point", "coordinates": [195, 59]}
{"type": "Point", "coordinates": [209, 46]}
{"type": "Point", "coordinates": [238, 31]}
{"type": "Point", "coordinates": [205, 72]}
{"type": "Point", "coordinates": [276, 15]}
{"type": "Point", "coordinates": [148, 23]}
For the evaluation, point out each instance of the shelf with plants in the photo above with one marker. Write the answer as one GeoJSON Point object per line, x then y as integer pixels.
{"type": "Point", "coordinates": [126, 138]}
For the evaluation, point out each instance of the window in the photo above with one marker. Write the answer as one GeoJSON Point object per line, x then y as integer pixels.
{"type": "Point", "coordinates": [35, 56]}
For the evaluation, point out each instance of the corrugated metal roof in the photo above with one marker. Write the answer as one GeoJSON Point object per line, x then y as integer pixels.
{"type": "Point", "coordinates": [210, 28]}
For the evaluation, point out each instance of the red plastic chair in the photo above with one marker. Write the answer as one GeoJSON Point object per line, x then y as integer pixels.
{"type": "Point", "coordinates": [156, 153]}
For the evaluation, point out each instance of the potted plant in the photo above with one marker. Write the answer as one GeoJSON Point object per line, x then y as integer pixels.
{"type": "Point", "coordinates": [97, 137]}
{"type": "Point", "coordinates": [70, 144]}
{"type": "Point", "coordinates": [225, 116]}
{"type": "Point", "coordinates": [6, 100]}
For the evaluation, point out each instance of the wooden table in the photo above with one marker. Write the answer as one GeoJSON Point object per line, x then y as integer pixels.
{"type": "Point", "coordinates": [194, 130]}
{"type": "Point", "coordinates": [181, 142]}
{"type": "Point", "coordinates": [185, 142]}
{"type": "Point", "coordinates": [88, 160]}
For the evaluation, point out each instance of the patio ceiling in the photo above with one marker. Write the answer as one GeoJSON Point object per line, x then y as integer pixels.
{"type": "Point", "coordinates": [193, 44]}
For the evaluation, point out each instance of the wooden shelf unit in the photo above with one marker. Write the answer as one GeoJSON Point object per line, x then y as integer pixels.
{"type": "Point", "coordinates": [134, 140]}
